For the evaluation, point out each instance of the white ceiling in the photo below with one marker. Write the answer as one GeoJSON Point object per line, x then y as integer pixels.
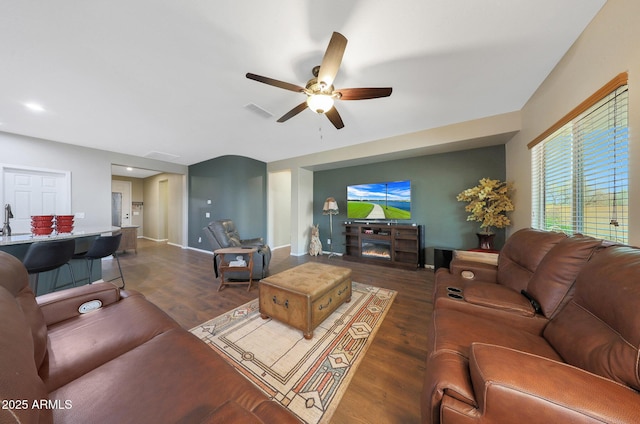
{"type": "Point", "coordinates": [166, 79]}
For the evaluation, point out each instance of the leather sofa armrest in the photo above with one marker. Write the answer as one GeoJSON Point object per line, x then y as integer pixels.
{"type": "Point", "coordinates": [62, 305]}
{"type": "Point", "coordinates": [474, 271]}
{"type": "Point", "coordinates": [488, 257]}
{"type": "Point", "coordinates": [497, 296]}
{"type": "Point", "coordinates": [514, 386]}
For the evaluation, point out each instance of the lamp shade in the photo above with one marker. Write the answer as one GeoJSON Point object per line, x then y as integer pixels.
{"type": "Point", "coordinates": [330, 206]}
{"type": "Point", "coordinates": [320, 103]}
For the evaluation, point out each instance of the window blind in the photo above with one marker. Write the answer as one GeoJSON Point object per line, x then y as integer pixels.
{"type": "Point", "coordinates": [580, 178]}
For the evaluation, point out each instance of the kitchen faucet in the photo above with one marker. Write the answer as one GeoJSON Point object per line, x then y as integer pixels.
{"type": "Point", "coordinates": [6, 228]}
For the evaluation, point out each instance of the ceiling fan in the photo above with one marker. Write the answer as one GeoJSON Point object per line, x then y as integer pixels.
{"type": "Point", "coordinates": [319, 89]}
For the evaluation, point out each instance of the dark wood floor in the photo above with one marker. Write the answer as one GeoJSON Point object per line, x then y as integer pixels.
{"type": "Point", "coordinates": [386, 387]}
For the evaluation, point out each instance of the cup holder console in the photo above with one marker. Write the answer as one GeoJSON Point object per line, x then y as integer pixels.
{"type": "Point", "coordinates": [455, 293]}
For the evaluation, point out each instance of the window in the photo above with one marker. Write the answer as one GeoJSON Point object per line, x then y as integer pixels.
{"type": "Point", "coordinates": [580, 178]}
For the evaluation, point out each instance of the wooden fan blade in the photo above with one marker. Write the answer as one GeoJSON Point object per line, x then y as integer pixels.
{"type": "Point", "coordinates": [275, 83]}
{"type": "Point", "coordinates": [335, 118]}
{"type": "Point", "coordinates": [293, 112]}
{"type": "Point", "coordinates": [364, 93]}
{"type": "Point", "coordinates": [332, 59]}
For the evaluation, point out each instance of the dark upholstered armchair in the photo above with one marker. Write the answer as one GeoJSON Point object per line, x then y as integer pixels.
{"type": "Point", "coordinates": [223, 233]}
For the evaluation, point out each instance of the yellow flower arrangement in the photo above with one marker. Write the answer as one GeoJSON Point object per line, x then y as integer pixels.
{"type": "Point", "coordinates": [488, 203]}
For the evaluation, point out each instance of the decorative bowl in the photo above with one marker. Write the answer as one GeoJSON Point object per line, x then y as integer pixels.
{"type": "Point", "coordinates": [42, 218]}
{"type": "Point", "coordinates": [42, 231]}
{"type": "Point", "coordinates": [64, 221]}
{"type": "Point", "coordinates": [65, 217]}
{"type": "Point", "coordinates": [41, 224]}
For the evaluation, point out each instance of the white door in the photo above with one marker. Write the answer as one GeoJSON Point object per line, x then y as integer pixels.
{"type": "Point", "coordinates": [124, 188]}
{"type": "Point", "coordinates": [32, 191]}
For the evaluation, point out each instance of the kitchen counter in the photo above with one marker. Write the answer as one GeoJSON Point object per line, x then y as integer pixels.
{"type": "Point", "coordinates": [77, 233]}
{"type": "Point", "coordinates": [18, 244]}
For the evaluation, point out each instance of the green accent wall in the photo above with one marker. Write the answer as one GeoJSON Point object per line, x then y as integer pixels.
{"type": "Point", "coordinates": [237, 188]}
{"type": "Point", "coordinates": [435, 182]}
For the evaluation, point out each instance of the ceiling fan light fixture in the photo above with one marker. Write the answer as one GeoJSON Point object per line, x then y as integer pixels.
{"type": "Point", "coordinates": [320, 103]}
{"type": "Point", "coordinates": [319, 90]}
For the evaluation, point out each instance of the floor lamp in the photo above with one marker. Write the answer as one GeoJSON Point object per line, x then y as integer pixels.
{"type": "Point", "coordinates": [330, 208]}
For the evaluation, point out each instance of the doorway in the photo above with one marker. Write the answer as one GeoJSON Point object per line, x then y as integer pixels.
{"type": "Point", "coordinates": [120, 203]}
{"type": "Point", "coordinates": [158, 203]}
{"type": "Point", "coordinates": [279, 204]}
{"type": "Point", "coordinates": [163, 209]}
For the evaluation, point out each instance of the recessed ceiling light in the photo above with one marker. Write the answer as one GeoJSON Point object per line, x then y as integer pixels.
{"type": "Point", "coordinates": [129, 168]}
{"type": "Point", "coordinates": [36, 107]}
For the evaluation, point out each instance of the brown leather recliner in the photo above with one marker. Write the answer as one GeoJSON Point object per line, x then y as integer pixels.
{"type": "Point", "coordinates": [223, 233]}
{"type": "Point", "coordinates": [530, 299]}
{"type": "Point", "coordinates": [584, 367]}
{"type": "Point", "coordinates": [99, 354]}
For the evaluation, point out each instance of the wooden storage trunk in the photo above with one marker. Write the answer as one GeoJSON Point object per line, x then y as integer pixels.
{"type": "Point", "coordinates": [306, 295]}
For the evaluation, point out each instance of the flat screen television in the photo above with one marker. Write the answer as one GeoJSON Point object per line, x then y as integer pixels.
{"type": "Point", "coordinates": [379, 201]}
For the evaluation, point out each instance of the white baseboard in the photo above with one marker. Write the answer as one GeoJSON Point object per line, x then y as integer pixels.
{"type": "Point", "coordinates": [152, 239]}
{"type": "Point", "coordinates": [162, 241]}
{"type": "Point", "coordinates": [281, 247]}
{"type": "Point", "coordinates": [324, 252]}
{"type": "Point", "coordinates": [199, 250]}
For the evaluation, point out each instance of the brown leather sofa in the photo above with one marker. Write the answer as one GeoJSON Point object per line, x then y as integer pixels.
{"type": "Point", "coordinates": [121, 361]}
{"type": "Point", "coordinates": [582, 364]}
{"type": "Point", "coordinates": [533, 279]}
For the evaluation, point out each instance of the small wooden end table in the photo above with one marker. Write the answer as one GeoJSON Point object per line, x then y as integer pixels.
{"type": "Point", "coordinates": [225, 267]}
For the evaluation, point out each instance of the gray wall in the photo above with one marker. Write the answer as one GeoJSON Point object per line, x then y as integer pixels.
{"type": "Point", "coordinates": [90, 172]}
{"type": "Point", "coordinates": [237, 189]}
{"type": "Point", "coordinates": [435, 182]}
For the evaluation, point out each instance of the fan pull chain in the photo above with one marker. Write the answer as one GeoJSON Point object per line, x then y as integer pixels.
{"type": "Point", "coordinates": [320, 130]}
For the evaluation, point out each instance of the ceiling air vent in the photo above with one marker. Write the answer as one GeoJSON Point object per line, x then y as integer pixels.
{"type": "Point", "coordinates": [161, 156]}
{"type": "Point", "coordinates": [258, 110]}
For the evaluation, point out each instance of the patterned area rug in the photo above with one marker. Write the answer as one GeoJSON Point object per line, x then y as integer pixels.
{"type": "Point", "coordinates": [308, 377]}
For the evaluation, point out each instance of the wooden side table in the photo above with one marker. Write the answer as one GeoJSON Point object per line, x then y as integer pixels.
{"type": "Point", "coordinates": [225, 267]}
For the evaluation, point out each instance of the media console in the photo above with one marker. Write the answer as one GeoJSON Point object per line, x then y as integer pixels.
{"type": "Point", "coordinates": [384, 244]}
